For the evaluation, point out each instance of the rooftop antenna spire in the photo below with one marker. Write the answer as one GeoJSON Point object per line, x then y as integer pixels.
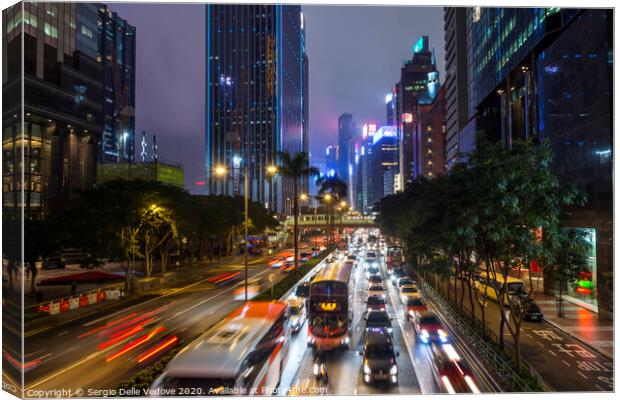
{"type": "Point", "coordinates": [143, 152]}
{"type": "Point", "coordinates": [154, 147]}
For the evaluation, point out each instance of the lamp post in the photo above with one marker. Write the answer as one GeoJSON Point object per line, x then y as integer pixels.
{"type": "Point", "coordinates": [327, 197]}
{"type": "Point", "coordinates": [245, 200]}
{"type": "Point", "coordinates": [272, 171]}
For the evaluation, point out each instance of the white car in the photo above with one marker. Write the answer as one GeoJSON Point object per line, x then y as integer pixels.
{"type": "Point", "coordinates": [407, 292]}
{"type": "Point", "coordinates": [376, 290]}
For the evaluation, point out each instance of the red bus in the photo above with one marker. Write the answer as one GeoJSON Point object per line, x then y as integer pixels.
{"type": "Point", "coordinates": [328, 307]}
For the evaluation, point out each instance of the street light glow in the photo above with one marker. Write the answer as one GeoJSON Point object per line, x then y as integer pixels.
{"type": "Point", "coordinates": [272, 169]}
{"type": "Point", "coordinates": [328, 196]}
{"type": "Point", "coordinates": [220, 170]}
{"type": "Point", "coordinates": [343, 204]}
{"type": "Point", "coordinates": [303, 196]}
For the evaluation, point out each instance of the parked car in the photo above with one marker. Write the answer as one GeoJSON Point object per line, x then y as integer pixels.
{"type": "Point", "coordinates": [531, 310]}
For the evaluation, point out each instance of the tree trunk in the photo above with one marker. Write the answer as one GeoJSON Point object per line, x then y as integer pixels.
{"type": "Point", "coordinates": [471, 300]}
{"type": "Point", "coordinates": [295, 226]}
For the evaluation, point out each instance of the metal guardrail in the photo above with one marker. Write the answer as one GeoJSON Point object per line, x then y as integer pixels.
{"type": "Point", "coordinates": [501, 368]}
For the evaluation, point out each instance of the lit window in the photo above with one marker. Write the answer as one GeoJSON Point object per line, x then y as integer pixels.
{"type": "Point", "coordinates": [50, 30]}
{"type": "Point", "coordinates": [86, 32]}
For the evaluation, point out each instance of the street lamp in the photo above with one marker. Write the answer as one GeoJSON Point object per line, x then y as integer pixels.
{"type": "Point", "coordinates": [272, 171]}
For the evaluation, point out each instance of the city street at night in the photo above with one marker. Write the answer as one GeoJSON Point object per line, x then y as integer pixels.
{"type": "Point", "coordinates": [204, 199]}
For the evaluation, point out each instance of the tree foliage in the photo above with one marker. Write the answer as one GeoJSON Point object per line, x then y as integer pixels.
{"type": "Point", "coordinates": [487, 215]}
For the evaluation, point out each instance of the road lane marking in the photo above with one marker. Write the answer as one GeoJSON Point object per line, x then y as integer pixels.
{"type": "Point", "coordinates": [582, 375]}
{"type": "Point", "coordinates": [567, 363]}
{"type": "Point", "coordinates": [62, 371]}
{"type": "Point", "coordinates": [551, 352]}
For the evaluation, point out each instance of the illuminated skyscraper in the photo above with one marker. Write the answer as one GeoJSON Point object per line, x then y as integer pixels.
{"type": "Point", "coordinates": [547, 74]}
{"type": "Point", "coordinates": [413, 82]}
{"type": "Point", "coordinates": [256, 97]}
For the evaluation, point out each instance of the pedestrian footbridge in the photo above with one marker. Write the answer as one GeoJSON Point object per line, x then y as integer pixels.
{"type": "Point", "coordinates": [321, 220]}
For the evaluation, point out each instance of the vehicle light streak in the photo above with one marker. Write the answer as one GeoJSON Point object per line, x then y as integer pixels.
{"type": "Point", "coordinates": [111, 332]}
{"type": "Point", "coordinates": [108, 325]}
{"type": "Point", "coordinates": [135, 343]}
{"type": "Point", "coordinates": [110, 342]}
{"type": "Point", "coordinates": [148, 354]}
{"type": "Point", "coordinates": [122, 333]}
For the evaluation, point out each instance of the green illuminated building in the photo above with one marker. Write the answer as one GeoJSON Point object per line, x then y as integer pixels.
{"type": "Point", "coordinates": [155, 170]}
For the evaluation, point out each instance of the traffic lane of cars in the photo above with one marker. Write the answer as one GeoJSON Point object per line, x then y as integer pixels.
{"type": "Point", "coordinates": [344, 364]}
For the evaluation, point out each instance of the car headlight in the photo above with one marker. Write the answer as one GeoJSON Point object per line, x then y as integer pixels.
{"type": "Point", "coordinates": [411, 313]}
{"type": "Point", "coordinates": [366, 368]}
{"type": "Point", "coordinates": [369, 309]}
{"type": "Point", "coordinates": [394, 370]}
{"type": "Point", "coordinates": [382, 308]}
{"type": "Point", "coordinates": [390, 330]}
{"type": "Point", "coordinates": [316, 369]}
{"type": "Point", "coordinates": [424, 333]}
{"type": "Point", "coordinates": [443, 336]}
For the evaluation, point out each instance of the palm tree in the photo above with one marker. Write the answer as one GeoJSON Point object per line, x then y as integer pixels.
{"type": "Point", "coordinates": [296, 167]}
{"type": "Point", "coordinates": [336, 188]}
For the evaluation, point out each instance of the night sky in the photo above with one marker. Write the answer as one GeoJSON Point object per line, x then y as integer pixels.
{"type": "Point", "coordinates": [355, 54]}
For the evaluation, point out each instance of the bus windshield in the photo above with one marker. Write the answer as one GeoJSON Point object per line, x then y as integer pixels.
{"type": "Point", "coordinates": [328, 288]}
{"type": "Point", "coordinates": [326, 325]}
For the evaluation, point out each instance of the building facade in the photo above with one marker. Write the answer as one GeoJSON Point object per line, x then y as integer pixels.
{"type": "Point", "coordinates": [413, 82]}
{"type": "Point", "coordinates": [383, 163]}
{"type": "Point", "coordinates": [456, 82]}
{"type": "Point", "coordinates": [429, 148]}
{"type": "Point", "coordinates": [62, 120]}
{"type": "Point", "coordinates": [546, 74]}
{"type": "Point", "coordinates": [331, 160]}
{"type": "Point", "coordinates": [170, 174]}
{"type": "Point", "coordinates": [346, 131]}
{"type": "Point", "coordinates": [117, 54]}
{"type": "Point", "coordinates": [256, 102]}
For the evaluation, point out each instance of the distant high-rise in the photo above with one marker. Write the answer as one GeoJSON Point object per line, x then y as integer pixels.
{"type": "Point", "coordinates": [117, 53]}
{"type": "Point", "coordinates": [413, 82]}
{"type": "Point", "coordinates": [346, 131]}
{"type": "Point", "coordinates": [391, 101]}
{"type": "Point", "coordinates": [331, 161]}
{"type": "Point", "coordinates": [457, 116]}
{"type": "Point", "coordinates": [256, 97]}
{"type": "Point", "coordinates": [384, 162]}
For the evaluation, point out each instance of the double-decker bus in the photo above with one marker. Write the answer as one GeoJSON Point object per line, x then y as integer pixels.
{"type": "Point", "coordinates": [328, 307]}
{"type": "Point", "coordinates": [243, 354]}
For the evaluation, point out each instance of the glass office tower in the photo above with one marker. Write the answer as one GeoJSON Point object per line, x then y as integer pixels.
{"type": "Point", "coordinates": [256, 102]}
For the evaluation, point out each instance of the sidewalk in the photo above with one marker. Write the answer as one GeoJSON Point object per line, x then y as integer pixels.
{"type": "Point", "coordinates": [580, 323]}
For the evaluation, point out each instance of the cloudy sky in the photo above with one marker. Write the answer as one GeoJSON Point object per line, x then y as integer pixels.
{"type": "Point", "coordinates": [355, 54]}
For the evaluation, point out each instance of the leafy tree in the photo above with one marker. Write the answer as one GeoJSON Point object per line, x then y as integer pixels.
{"type": "Point", "coordinates": [294, 168]}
